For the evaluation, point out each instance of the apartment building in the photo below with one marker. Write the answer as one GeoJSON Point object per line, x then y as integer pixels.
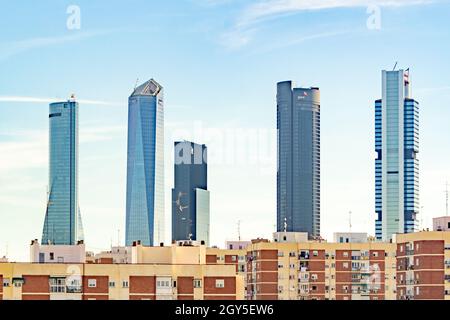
{"type": "Point", "coordinates": [320, 271]}
{"type": "Point", "coordinates": [423, 266]}
{"type": "Point", "coordinates": [157, 273]}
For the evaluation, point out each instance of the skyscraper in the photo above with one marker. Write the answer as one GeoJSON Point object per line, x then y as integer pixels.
{"type": "Point", "coordinates": [298, 176]}
{"type": "Point", "coordinates": [396, 165]}
{"type": "Point", "coordinates": [145, 165]}
{"type": "Point", "coordinates": [62, 225]}
{"type": "Point", "coordinates": [190, 197]}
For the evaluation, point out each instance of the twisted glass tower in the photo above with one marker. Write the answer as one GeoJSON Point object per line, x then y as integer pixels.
{"type": "Point", "coordinates": [298, 176]}
{"type": "Point", "coordinates": [62, 225]}
{"type": "Point", "coordinates": [397, 164]}
{"type": "Point", "coordinates": [145, 165]}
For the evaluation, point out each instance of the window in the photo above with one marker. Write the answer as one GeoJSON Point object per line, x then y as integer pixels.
{"type": "Point", "coordinates": [92, 283]}
{"type": "Point", "coordinates": [6, 282]}
{"type": "Point", "coordinates": [417, 262]}
{"type": "Point", "coordinates": [197, 283]}
{"type": "Point", "coordinates": [401, 248]}
{"type": "Point", "coordinates": [163, 284]}
{"type": "Point", "coordinates": [314, 277]}
{"type": "Point", "coordinates": [60, 259]}
{"type": "Point", "coordinates": [315, 253]}
{"type": "Point", "coordinates": [57, 285]}
{"type": "Point", "coordinates": [112, 284]}
{"type": "Point", "coordinates": [125, 284]}
{"type": "Point", "coordinates": [345, 254]}
{"type": "Point", "coordinates": [313, 288]}
{"type": "Point", "coordinates": [52, 256]}
{"type": "Point", "coordinates": [233, 258]}
{"type": "Point", "coordinates": [375, 254]}
{"type": "Point", "coordinates": [345, 265]}
{"type": "Point", "coordinates": [220, 283]}
{"type": "Point", "coordinates": [417, 291]}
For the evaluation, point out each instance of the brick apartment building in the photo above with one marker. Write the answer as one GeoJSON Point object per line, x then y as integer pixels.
{"type": "Point", "coordinates": [423, 266]}
{"type": "Point", "coordinates": [320, 271]}
{"type": "Point", "coordinates": [414, 266]}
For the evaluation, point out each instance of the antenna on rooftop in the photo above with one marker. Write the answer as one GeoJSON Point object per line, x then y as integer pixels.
{"type": "Point", "coordinates": [395, 66]}
{"type": "Point", "coordinates": [239, 229]}
{"type": "Point", "coordinates": [350, 220]}
{"type": "Point", "coordinates": [446, 198]}
{"type": "Point", "coordinates": [285, 225]}
{"type": "Point", "coordinates": [136, 84]}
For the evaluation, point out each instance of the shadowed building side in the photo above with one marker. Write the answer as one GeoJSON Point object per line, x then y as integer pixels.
{"type": "Point", "coordinates": [190, 197]}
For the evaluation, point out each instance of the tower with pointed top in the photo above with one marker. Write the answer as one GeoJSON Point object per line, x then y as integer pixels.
{"type": "Point", "coordinates": [62, 225]}
{"type": "Point", "coordinates": [145, 165]}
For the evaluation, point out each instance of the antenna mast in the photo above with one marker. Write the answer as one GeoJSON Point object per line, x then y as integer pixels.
{"type": "Point", "coordinates": [350, 220]}
{"type": "Point", "coordinates": [446, 198]}
{"type": "Point", "coordinates": [395, 66]}
{"type": "Point", "coordinates": [239, 229]}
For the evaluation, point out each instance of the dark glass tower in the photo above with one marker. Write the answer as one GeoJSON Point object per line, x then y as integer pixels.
{"type": "Point", "coordinates": [145, 165]}
{"type": "Point", "coordinates": [62, 225]}
{"type": "Point", "coordinates": [190, 197]}
{"type": "Point", "coordinates": [397, 163]}
{"type": "Point", "coordinates": [298, 176]}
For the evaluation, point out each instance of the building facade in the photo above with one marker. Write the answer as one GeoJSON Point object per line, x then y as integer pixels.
{"type": "Point", "coordinates": [423, 266]}
{"type": "Point", "coordinates": [397, 164]}
{"type": "Point", "coordinates": [441, 223]}
{"type": "Point", "coordinates": [190, 197]}
{"type": "Point", "coordinates": [298, 176]}
{"type": "Point", "coordinates": [145, 165]}
{"type": "Point", "coordinates": [320, 271]}
{"type": "Point", "coordinates": [62, 224]}
{"type": "Point", "coordinates": [157, 273]}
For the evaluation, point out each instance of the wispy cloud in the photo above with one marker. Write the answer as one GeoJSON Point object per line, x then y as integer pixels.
{"type": "Point", "coordinates": [10, 49]}
{"type": "Point", "coordinates": [253, 16]}
{"type": "Point", "coordinates": [24, 99]}
{"type": "Point", "coordinates": [28, 149]}
{"type": "Point", "coordinates": [273, 8]}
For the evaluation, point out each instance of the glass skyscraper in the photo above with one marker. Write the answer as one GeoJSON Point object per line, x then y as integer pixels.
{"type": "Point", "coordinates": [145, 165]}
{"type": "Point", "coordinates": [62, 225]}
{"type": "Point", "coordinates": [190, 197]}
{"type": "Point", "coordinates": [396, 164]}
{"type": "Point", "coordinates": [298, 176]}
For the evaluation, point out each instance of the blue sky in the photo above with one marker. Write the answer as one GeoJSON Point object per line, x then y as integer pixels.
{"type": "Point", "coordinates": [219, 61]}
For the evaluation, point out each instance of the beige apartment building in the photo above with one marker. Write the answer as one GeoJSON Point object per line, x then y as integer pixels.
{"type": "Point", "coordinates": [157, 273]}
{"type": "Point", "coordinates": [414, 266]}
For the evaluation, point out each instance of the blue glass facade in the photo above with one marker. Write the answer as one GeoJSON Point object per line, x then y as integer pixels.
{"type": "Point", "coordinates": [62, 225]}
{"type": "Point", "coordinates": [145, 165]}
{"type": "Point", "coordinates": [397, 164]}
{"type": "Point", "coordinates": [190, 198]}
{"type": "Point", "coordinates": [298, 176]}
